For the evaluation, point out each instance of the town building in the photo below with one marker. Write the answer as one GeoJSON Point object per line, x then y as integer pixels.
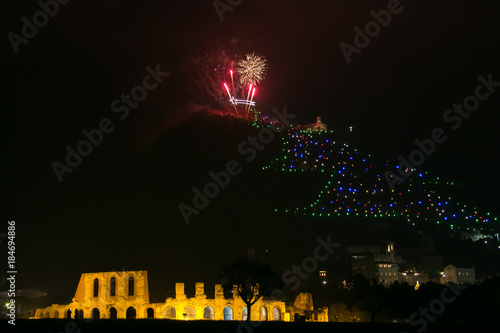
{"type": "Point", "coordinates": [375, 262]}
{"type": "Point", "coordinates": [459, 275]}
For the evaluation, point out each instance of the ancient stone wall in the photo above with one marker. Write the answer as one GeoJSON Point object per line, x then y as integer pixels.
{"type": "Point", "coordinates": [119, 295]}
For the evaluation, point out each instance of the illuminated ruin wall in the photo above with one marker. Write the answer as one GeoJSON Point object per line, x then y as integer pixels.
{"type": "Point", "coordinates": [120, 295]}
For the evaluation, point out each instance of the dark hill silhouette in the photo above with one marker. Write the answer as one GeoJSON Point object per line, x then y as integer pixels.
{"type": "Point", "coordinates": [132, 200]}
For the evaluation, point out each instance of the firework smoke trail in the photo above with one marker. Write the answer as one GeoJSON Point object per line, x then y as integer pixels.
{"type": "Point", "coordinates": [211, 86]}
{"type": "Point", "coordinates": [213, 66]}
{"type": "Point", "coordinates": [252, 69]}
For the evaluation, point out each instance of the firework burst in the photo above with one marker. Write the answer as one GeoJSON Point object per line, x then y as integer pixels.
{"type": "Point", "coordinates": [252, 69]}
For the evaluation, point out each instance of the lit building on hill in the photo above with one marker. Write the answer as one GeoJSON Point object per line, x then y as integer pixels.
{"type": "Point", "coordinates": [383, 267]}
{"type": "Point", "coordinates": [459, 275]}
{"type": "Point", "coordinates": [317, 126]}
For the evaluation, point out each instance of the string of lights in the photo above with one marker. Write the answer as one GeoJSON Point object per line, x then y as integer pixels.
{"type": "Point", "coordinates": [356, 186]}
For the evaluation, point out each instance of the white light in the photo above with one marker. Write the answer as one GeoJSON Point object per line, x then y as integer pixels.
{"type": "Point", "coordinates": [242, 101]}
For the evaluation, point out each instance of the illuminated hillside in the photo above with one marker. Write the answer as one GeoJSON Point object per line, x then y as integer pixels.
{"type": "Point", "coordinates": [356, 186]}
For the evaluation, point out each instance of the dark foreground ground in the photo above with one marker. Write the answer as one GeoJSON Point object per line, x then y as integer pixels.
{"type": "Point", "coordinates": [123, 326]}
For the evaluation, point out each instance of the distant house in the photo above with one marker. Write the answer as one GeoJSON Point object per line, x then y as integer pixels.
{"type": "Point", "coordinates": [459, 275]}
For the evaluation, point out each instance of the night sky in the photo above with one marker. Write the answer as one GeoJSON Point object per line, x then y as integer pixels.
{"type": "Point", "coordinates": [118, 208]}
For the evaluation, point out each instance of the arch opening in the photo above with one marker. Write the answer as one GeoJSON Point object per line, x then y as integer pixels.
{"type": "Point", "coordinates": [189, 313]}
{"type": "Point", "coordinates": [96, 313]}
{"type": "Point", "coordinates": [264, 313]}
{"type": "Point", "coordinates": [170, 313]}
{"type": "Point", "coordinates": [276, 314]}
{"type": "Point", "coordinates": [244, 313]}
{"type": "Point", "coordinates": [131, 313]}
{"type": "Point", "coordinates": [209, 313]}
{"type": "Point", "coordinates": [228, 313]}
{"type": "Point", "coordinates": [113, 314]}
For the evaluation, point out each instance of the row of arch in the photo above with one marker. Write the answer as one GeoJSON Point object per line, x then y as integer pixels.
{"type": "Point", "coordinates": [170, 313]}
{"type": "Point", "coordinates": [228, 314]}
{"type": "Point", "coordinates": [96, 313]}
{"type": "Point", "coordinates": [112, 287]}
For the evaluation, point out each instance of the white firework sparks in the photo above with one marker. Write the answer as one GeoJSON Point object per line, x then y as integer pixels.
{"type": "Point", "coordinates": [252, 69]}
